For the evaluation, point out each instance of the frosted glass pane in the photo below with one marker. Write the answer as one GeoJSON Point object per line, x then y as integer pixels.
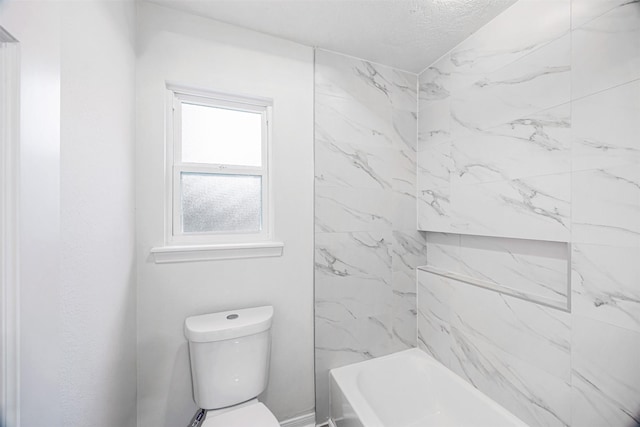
{"type": "Point", "coordinates": [221, 136]}
{"type": "Point", "coordinates": [221, 203]}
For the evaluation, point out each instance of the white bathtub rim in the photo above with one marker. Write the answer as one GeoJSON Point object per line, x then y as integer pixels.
{"type": "Point", "coordinates": [368, 417]}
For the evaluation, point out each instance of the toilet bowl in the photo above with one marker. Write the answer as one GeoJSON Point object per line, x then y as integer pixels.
{"type": "Point", "coordinates": [229, 353]}
{"type": "Point", "coordinates": [249, 414]}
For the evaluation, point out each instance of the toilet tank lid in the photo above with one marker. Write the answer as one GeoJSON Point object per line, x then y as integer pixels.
{"type": "Point", "coordinates": [227, 325]}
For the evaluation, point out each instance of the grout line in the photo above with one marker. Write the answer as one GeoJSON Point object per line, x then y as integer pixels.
{"type": "Point", "coordinates": [585, 23]}
{"type": "Point", "coordinates": [634, 80]}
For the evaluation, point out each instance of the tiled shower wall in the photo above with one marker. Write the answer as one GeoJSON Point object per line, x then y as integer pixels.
{"type": "Point", "coordinates": [529, 132]}
{"type": "Point", "coordinates": [366, 243]}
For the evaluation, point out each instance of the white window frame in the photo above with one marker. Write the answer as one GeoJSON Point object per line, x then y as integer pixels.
{"type": "Point", "coordinates": [176, 96]}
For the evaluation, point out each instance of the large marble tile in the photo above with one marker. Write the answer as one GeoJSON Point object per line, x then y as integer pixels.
{"type": "Point", "coordinates": [606, 375]}
{"type": "Point", "coordinates": [339, 339]}
{"type": "Point", "coordinates": [434, 123]}
{"type": "Point", "coordinates": [515, 351]}
{"type": "Point", "coordinates": [435, 166]}
{"type": "Point", "coordinates": [365, 187]}
{"type": "Point", "coordinates": [520, 30]}
{"type": "Point", "coordinates": [353, 278]}
{"type": "Point", "coordinates": [402, 164]}
{"type": "Point", "coordinates": [606, 128]}
{"type": "Point", "coordinates": [404, 318]}
{"type": "Point", "coordinates": [537, 335]}
{"type": "Point", "coordinates": [533, 83]}
{"type": "Point", "coordinates": [363, 338]}
{"type": "Point", "coordinates": [405, 123]}
{"type": "Point", "coordinates": [346, 164]}
{"type": "Point", "coordinates": [364, 82]}
{"type": "Point", "coordinates": [529, 208]}
{"type": "Point", "coordinates": [404, 282]}
{"type": "Point", "coordinates": [538, 144]}
{"type": "Point", "coordinates": [434, 209]}
{"type": "Point", "coordinates": [434, 104]}
{"type": "Point", "coordinates": [606, 50]}
{"type": "Point", "coordinates": [403, 208]}
{"type": "Point", "coordinates": [606, 206]}
{"type": "Point", "coordinates": [434, 316]}
{"type": "Point", "coordinates": [408, 250]}
{"type": "Point", "coordinates": [363, 255]}
{"type": "Point", "coordinates": [346, 209]}
{"type": "Point", "coordinates": [583, 11]}
{"type": "Point", "coordinates": [327, 358]}
{"type": "Point", "coordinates": [345, 120]}
{"type": "Point", "coordinates": [537, 270]}
{"type": "Point", "coordinates": [606, 284]}
{"type": "Point", "coordinates": [443, 251]}
{"type": "Point", "coordinates": [533, 395]}
{"type": "Point", "coordinates": [434, 81]}
{"type": "Point", "coordinates": [343, 299]}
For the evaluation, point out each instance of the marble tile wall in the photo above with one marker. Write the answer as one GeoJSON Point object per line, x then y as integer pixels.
{"type": "Point", "coordinates": [530, 129]}
{"type": "Point", "coordinates": [515, 351]}
{"type": "Point", "coordinates": [494, 136]}
{"type": "Point", "coordinates": [366, 244]}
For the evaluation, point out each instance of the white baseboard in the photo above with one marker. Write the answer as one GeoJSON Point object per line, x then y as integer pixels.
{"type": "Point", "coordinates": [306, 420]}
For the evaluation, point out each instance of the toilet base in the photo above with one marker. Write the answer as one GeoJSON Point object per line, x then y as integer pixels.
{"type": "Point", "coordinates": [252, 413]}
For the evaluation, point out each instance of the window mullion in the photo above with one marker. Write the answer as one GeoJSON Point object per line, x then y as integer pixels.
{"type": "Point", "coordinates": [213, 169]}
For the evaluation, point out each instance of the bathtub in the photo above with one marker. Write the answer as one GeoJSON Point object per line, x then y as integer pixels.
{"type": "Point", "coordinates": [410, 389]}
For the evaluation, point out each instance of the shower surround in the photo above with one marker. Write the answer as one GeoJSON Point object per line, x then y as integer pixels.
{"type": "Point", "coordinates": [528, 198]}
{"type": "Point", "coordinates": [529, 169]}
{"type": "Point", "coordinates": [366, 244]}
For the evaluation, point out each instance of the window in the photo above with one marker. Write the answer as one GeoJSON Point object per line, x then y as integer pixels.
{"type": "Point", "coordinates": [217, 160]}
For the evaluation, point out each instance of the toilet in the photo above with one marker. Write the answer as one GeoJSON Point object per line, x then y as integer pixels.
{"type": "Point", "coordinates": [229, 353]}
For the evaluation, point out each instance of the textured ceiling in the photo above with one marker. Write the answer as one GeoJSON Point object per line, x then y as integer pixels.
{"type": "Point", "coordinates": [406, 34]}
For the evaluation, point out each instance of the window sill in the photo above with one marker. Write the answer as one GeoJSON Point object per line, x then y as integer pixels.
{"type": "Point", "coordinates": [193, 253]}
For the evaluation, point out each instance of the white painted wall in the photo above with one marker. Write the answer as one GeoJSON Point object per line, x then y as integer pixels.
{"type": "Point", "coordinates": [203, 53]}
{"type": "Point", "coordinates": [37, 26]}
{"type": "Point", "coordinates": [77, 296]}
{"type": "Point", "coordinates": [98, 384]}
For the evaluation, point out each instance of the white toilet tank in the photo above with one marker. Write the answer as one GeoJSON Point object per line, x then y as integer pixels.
{"type": "Point", "coordinates": [229, 354]}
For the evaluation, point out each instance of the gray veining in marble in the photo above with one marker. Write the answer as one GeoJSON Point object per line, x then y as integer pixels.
{"type": "Point", "coordinates": [606, 206]}
{"type": "Point", "coordinates": [606, 284]}
{"type": "Point", "coordinates": [606, 375]}
{"type": "Point", "coordinates": [583, 11]}
{"type": "Point", "coordinates": [534, 396]}
{"type": "Point", "coordinates": [536, 208]}
{"type": "Point", "coordinates": [494, 129]}
{"type": "Point", "coordinates": [500, 42]}
{"type": "Point", "coordinates": [535, 145]}
{"type": "Point", "coordinates": [515, 351]}
{"type": "Point", "coordinates": [530, 84]}
{"type": "Point", "coordinates": [606, 128]}
{"type": "Point", "coordinates": [606, 50]}
{"type": "Point", "coordinates": [527, 138]}
{"type": "Point", "coordinates": [367, 246]}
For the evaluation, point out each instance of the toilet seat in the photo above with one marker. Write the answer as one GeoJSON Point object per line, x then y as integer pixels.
{"type": "Point", "coordinates": [253, 415]}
